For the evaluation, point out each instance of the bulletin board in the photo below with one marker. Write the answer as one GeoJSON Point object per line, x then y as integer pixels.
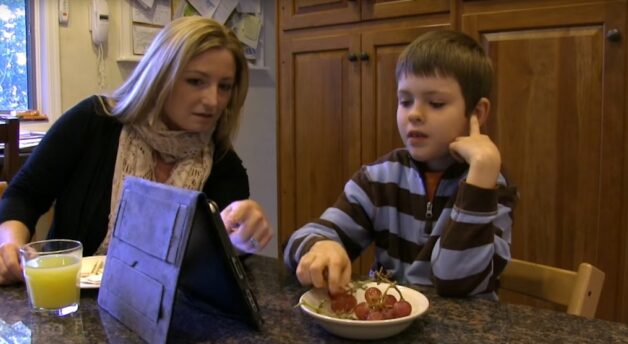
{"type": "Point", "coordinates": [142, 19]}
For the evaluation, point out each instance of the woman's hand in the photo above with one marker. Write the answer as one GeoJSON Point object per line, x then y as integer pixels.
{"type": "Point", "coordinates": [325, 265]}
{"type": "Point", "coordinates": [247, 225]}
{"type": "Point", "coordinates": [13, 234]}
{"type": "Point", "coordinates": [10, 269]}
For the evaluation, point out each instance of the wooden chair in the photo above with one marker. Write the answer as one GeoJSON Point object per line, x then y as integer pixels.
{"type": "Point", "coordinates": [10, 136]}
{"type": "Point", "coordinates": [578, 290]}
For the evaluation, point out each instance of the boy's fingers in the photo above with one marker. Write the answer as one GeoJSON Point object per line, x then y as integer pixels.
{"type": "Point", "coordinates": [303, 270]}
{"type": "Point", "coordinates": [334, 279]}
{"type": "Point", "coordinates": [318, 276]}
{"type": "Point", "coordinates": [474, 125]}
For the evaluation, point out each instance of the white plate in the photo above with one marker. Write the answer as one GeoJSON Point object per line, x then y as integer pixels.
{"type": "Point", "coordinates": [89, 280]}
{"type": "Point", "coordinates": [363, 329]}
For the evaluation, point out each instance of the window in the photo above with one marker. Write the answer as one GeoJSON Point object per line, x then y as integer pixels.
{"type": "Point", "coordinates": [14, 56]}
{"type": "Point", "coordinates": [29, 57]}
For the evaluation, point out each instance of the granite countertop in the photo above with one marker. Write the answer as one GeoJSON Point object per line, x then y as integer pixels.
{"type": "Point", "coordinates": [448, 320]}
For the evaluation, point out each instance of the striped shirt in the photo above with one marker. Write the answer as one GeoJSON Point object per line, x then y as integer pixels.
{"type": "Point", "coordinates": [459, 241]}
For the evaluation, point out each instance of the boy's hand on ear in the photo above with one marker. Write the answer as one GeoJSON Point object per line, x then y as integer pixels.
{"type": "Point", "coordinates": [325, 265]}
{"type": "Point", "coordinates": [480, 153]}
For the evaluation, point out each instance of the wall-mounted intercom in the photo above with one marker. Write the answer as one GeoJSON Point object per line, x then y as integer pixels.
{"type": "Point", "coordinates": [64, 11]}
{"type": "Point", "coordinates": [99, 21]}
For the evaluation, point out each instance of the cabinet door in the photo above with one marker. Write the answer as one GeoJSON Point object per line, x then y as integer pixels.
{"type": "Point", "coordinates": [319, 124]}
{"type": "Point", "coordinates": [557, 117]}
{"type": "Point", "coordinates": [310, 13]}
{"type": "Point", "coordinates": [378, 9]}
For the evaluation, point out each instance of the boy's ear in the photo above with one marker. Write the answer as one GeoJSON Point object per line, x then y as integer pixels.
{"type": "Point", "coordinates": [482, 110]}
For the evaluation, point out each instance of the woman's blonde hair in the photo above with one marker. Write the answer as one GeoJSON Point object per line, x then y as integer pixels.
{"type": "Point", "coordinates": [142, 96]}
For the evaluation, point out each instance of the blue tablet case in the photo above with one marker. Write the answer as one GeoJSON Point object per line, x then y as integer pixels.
{"type": "Point", "coordinates": [167, 239]}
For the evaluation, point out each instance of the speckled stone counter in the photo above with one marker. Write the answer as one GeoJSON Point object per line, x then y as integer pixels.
{"type": "Point", "coordinates": [447, 320]}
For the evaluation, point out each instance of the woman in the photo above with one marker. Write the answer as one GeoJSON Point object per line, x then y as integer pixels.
{"type": "Point", "coordinates": [172, 121]}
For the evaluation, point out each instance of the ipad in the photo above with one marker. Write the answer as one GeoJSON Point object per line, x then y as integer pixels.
{"type": "Point", "coordinates": [170, 242]}
{"type": "Point", "coordinates": [212, 272]}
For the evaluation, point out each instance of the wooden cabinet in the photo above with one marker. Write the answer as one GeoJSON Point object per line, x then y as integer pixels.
{"type": "Point", "coordinates": [558, 118]}
{"type": "Point", "coordinates": [337, 111]}
{"type": "Point", "coordinates": [319, 136]}
{"type": "Point", "coordinates": [558, 115]}
{"type": "Point", "coordinates": [310, 13]}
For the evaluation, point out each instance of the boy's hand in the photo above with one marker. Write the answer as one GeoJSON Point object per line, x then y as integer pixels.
{"type": "Point", "coordinates": [325, 265]}
{"type": "Point", "coordinates": [480, 153]}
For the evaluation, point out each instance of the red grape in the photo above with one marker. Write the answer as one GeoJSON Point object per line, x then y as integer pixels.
{"type": "Point", "coordinates": [375, 315]}
{"type": "Point", "coordinates": [361, 310]}
{"type": "Point", "coordinates": [388, 313]}
{"type": "Point", "coordinates": [402, 308]}
{"type": "Point", "coordinates": [389, 300]}
{"type": "Point", "coordinates": [372, 295]}
{"type": "Point", "coordinates": [343, 303]}
{"type": "Point", "coordinates": [377, 305]}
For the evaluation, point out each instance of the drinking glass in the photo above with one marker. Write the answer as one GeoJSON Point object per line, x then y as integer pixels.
{"type": "Point", "coordinates": [51, 272]}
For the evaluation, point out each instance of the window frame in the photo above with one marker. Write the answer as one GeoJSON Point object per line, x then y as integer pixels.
{"type": "Point", "coordinates": [44, 21]}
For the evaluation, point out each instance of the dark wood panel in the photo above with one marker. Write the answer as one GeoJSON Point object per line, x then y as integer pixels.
{"type": "Point", "coordinates": [379, 9]}
{"type": "Point", "coordinates": [306, 13]}
{"type": "Point", "coordinates": [320, 128]}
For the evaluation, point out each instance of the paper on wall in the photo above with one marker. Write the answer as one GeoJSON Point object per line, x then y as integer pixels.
{"type": "Point", "coordinates": [224, 9]}
{"type": "Point", "coordinates": [248, 28]}
{"type": "Point", "coordinates": [206, 8]}
{"type": "Point", "coordinates": [183, 9]}
{"type": "Point", "coordinates": [146, 3]}
{"type": "Point", "coordinates": [249, 6]}
{"type": "Point", "coordinates": [142, 37]}
{"type": "Point", "coordinates": [159, 14]}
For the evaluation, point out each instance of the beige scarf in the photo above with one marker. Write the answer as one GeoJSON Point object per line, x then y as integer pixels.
{"type": "Point", "coordinates": [192, 154]}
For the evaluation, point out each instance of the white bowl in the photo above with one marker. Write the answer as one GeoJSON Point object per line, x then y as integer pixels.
{"type": "Point", "coordinates": [363, 329]}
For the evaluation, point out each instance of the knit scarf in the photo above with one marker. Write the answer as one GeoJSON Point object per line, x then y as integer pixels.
{"type": "Point", "coordinates": [192, 154]}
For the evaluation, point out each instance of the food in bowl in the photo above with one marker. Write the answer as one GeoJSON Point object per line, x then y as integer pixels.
{"type": "Point", "coordinates": [348, 320]}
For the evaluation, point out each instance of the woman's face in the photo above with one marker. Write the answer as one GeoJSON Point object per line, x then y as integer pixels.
{"type": "Point", "coordinates": [202, 92]}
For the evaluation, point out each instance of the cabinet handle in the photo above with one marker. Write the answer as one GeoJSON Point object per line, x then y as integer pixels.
{"type": "Point", "coordinates": [613, 35]}
{"type": "Point", "coordinates": [352, 57]}
{"type": "Point", "coordinates": [364, 56]}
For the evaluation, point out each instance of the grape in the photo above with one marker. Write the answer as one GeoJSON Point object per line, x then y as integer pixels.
{"type": "Point", "coordinates": [378, 305]}
{"type": "Point", "coordinates": [375, 315]}
{"type": "Point", "coordinates": [361, 310]}
{"type": "Point", "coordinates": [343, 303]}
{"type": "Point", "coordinates": [388, 313]}
{"type": "Point", "coordinates": [402, 308]}
{"type": "Point", "coordinates": [372, 295]}
{"type": "Point", "coordinates": [389, 300]}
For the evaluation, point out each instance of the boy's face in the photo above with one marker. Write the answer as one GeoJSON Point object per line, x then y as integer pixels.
{"type": "Point", "coordinates": [430, 115]}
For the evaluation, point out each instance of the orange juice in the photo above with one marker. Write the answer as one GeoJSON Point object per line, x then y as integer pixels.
{"type": "Point", "coordinates": [53, 281]}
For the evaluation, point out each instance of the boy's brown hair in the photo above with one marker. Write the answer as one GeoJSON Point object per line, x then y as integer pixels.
{"type": "Point", "coordinates": [453, 54]}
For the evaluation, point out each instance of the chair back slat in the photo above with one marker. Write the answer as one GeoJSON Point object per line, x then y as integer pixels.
{"type": "Point", "coordinates": [578, 290]}
{"type": "Point", "coordinates": [10, 136]}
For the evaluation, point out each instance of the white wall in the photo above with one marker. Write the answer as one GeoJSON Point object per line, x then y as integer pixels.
{"type": "Point", "coordinates": [256, 143]}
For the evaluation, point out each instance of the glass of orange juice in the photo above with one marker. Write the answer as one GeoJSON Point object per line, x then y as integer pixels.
{"type": "Point", "coordinates": [51, 272]}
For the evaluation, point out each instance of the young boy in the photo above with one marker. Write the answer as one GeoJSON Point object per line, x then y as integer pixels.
{"type": "Point", "coordinates": [438, 210]}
